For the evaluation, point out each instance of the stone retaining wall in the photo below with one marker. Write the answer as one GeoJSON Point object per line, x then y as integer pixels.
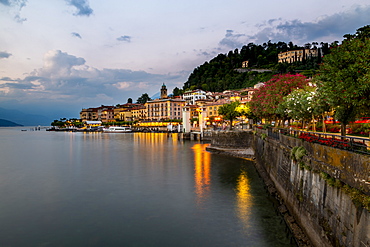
{"type": "Point", "coordinates": [327, 213]}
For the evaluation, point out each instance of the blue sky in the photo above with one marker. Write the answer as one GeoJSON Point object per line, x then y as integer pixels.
{"type": "Point", "coordinates": [59, 56]}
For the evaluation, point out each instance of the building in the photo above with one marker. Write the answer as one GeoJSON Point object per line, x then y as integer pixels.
{"type": "Point", "coordinates": [89, 114]}
{"type": "Point", "coordinates": [164, 92]}
{"type": "Point", "coordinates": [297, 55]}
{"type": "Point", "coordinates": [190, 112]}
{"type": "Point", "coordinates": [124, 112]}
{"type": "Point", "coordinates": [192, 96]}
{"type": "Point", "coordinates": [212, 108]}
{"type": "Point", "coordinates": [164, 108]}
{"type": "Point", "coordinates": [102, 113]}
{"type": "Point", "coordinates": [107, 114]}
{"type": "Point", "coordinates": [139, 113]}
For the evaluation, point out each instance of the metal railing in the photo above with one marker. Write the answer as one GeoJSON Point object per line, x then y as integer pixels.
{"type": "Point", "coordinates": [351, 143]}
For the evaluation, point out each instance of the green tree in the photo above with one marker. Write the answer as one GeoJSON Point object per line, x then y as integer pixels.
{"type": "Point", "coordinates": [143, 99]}
{"type": "Point", "coordinates": [177, 92]}
{"type": "Point", "coordinates": [58, 123]}
{"type": "Point", "coordinates": [344, 79]}
{"type": "Point", "coordinates": [230, 112]}
{"type": "Point", "coordinates": [299, 104]}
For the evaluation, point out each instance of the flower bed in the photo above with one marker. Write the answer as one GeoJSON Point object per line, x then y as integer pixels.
{"type": "Point", "coordinates": [334, 142]}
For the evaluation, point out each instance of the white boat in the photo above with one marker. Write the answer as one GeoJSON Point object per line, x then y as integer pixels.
{"type": "Point", "coordinates": [116, 129]}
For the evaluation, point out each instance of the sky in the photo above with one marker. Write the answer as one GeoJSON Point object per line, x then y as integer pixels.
{"type": "Point", "coordinates": [59, 56]}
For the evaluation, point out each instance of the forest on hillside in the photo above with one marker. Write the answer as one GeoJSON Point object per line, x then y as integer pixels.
{"type": "Point", "coordinates": [220, 73]}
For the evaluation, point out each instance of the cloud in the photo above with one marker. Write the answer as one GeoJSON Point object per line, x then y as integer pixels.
{"type": "Point", "coordinates": [67, 78]}
{"type": "Point", "coordinates": [4, 54]}
{"type": "Point", "coordinates": [16, 85]}
{"type": "Point", "coordinates": [19, 19]}
{"type": "Point", "coordinates": [324, 28]}
{"type": "Point", "coordinates": [83, 8]}
{"type": "Point", "coordinates": [231, 40]}
{"type": "Point", "coordinates": [76, 35]}
{"type": "Point", "coordinates": [59, 64]}
{"type": "Point", "coordinates": [18, 5]}
{"type": "Point", "coordinates": [124, 38]}
{"type": "Point", "coordinates": [123, 85]}
{"type": "Point", "coordinates": [5, 2]}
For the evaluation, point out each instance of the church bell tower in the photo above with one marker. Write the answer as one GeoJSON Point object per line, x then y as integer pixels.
{"type": "Point", "coordinates": [163, 92]}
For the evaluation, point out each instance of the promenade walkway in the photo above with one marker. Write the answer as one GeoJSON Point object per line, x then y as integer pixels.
{"type": "Point", "coordinates": [348, 142]}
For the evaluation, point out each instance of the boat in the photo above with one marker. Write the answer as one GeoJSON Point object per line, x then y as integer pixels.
{"type": "Point", "coordinates": [117, 129]}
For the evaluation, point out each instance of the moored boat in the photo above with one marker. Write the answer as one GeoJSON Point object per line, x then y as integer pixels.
{"type": "Point", "coordinates": [118, 129]}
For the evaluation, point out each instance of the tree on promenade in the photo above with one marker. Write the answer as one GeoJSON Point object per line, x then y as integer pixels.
{"type": "Point", "coordinates": [143, 99]}
{"type": "Point", "coordinates": [299, 104]}
{"type": "Point", "coordinates": [230, 112]}
{"type": "Point", "coordinates": [267, 98]}
{"type": "Point", "coordinates": [304, 104]}
{"type": "Point", "coordinates": [344, 78]}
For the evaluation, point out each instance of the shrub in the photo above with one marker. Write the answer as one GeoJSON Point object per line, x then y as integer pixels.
{"type": "Point", "coordinates": [360, 129]}
{"type": "Point", "coordinates": [297, 153]}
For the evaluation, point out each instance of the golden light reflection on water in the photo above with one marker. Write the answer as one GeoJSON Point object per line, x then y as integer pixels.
{"type": "Point", "coordinates": [202, 167]}
{"type": "Point", "coordinates": [151, 138]}
{"type": "Point", "coordinates": [155, 146]}
{"type": "Point", "coordinates": [244, 199]}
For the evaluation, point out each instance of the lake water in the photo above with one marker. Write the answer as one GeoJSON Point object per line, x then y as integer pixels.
{"type": "Point", "coordinates": [132, 189]}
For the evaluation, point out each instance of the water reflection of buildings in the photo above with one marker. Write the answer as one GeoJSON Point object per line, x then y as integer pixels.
{"type": "Point", "coordinates": [244, 199]}
{"type": "Point", "coordinates": [202, 167]}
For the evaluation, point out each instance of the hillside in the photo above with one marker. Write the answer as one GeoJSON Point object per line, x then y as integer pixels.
{"type": "Point", "coordinates": [7, 123]}
{"type": "Point", "coordinates": [220, 73]}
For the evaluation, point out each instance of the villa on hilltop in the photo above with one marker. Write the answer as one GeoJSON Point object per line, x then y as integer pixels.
{"type": "Point", "coordinates": [297, 55]}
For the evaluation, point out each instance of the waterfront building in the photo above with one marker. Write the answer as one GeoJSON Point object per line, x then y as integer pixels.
{"type": "Point", "coordinates": [107, 114]}
{"type": "Point", "coordinates": [189, 114]}
{"type": "Point", "coordinates": [139, 113]}
{"type": "Point", "coordinates": [102, 113]}
{"type": "Point", "coordinates": [124, 112]}
{"type": "Point", "coordinates": [164, 108]}
{"type": "Point", "coordinates": [89, 114]}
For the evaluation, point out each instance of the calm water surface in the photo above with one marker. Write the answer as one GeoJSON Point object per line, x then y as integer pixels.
{"type": "Point", "coordinates": [133, 189]}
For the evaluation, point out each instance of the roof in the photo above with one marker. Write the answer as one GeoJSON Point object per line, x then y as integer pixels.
{"type": "Point", "coordinates": [164, 100]}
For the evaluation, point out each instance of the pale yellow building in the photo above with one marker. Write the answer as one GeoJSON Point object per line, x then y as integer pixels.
{"type": "Point", "coordinates": [89, 114]}
{"type": "Point", "coordinates": [164, 109]}
{"type": "Point", "coordinates": [123, 114]}
{"type": "Point", "coordinates": [297, 55]}
{"type": "Point", "coordinates": [139, 113]}
{"type": "Point", "coordinates": [212, 108]}
{"type": "Point", "coordinates": [103, 114]}
{"type": "Point", "coordinates": [107, 115]}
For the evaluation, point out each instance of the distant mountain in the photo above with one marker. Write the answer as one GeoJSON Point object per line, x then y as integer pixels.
{"type": "Point", "coordinates": [7, 123]}
{"type": "Point", "coordinates": [23, 118]}
{"type": "Point", "coordinates": [156, 96]}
